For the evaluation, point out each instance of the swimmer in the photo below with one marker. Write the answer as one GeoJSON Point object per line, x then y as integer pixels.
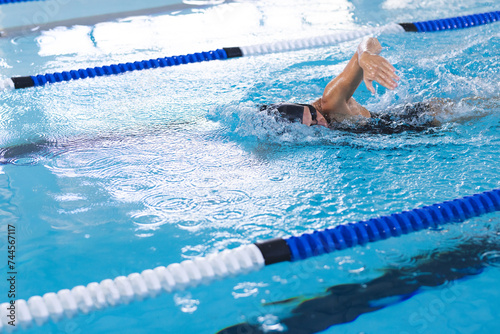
{"type": "Point", "coordinates": [337, 104]}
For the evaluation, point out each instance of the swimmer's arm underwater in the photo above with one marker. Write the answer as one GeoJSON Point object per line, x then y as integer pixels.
{"type": "Point", "coordinates": [365, 65]}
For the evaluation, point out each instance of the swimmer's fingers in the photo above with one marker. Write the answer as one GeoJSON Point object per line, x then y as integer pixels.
{"type": "Point", "coordinates": [369, 85]}
{"type": "Point", "coordinates": [377, 68]}
{"type": "Point", "coordinates": [387, 79]}
{"type": "Point", "coordinates": [389, 70]}
{"type": "Point", "coordinates": [386, 74]}
{"type": "Point", "coordinates": [388, 66]}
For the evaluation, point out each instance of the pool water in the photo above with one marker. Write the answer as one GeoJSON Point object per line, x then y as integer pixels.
{"type": "Point", "coordinates": [109, 176]}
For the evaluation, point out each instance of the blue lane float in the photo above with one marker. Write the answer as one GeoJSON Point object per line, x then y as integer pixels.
{"type": "Point", "coordinates": [99, 71]}
{"type": "Point", "coordinates": [460, 22]}
{"type": "Point", "coordinates": [3, 2]}
{"type": "Point", "coordinates": [360, 233]}
{"type": "Point", "coordinates": [252, 257]}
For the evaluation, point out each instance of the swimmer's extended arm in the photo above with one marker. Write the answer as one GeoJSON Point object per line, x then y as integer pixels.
{"type": "Point", "coordinates": [365, 65]}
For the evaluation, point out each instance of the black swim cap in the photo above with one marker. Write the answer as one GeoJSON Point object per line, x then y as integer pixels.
{"type": "Point", "coordinates": [289, 111]}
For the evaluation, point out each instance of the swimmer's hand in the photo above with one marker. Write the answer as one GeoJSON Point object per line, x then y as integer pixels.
{"type": "Point", "coordinates": [377, 68]}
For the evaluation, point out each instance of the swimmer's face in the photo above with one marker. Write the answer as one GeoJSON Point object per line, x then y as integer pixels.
{"type": "Point", "coordinates": [307, 118]}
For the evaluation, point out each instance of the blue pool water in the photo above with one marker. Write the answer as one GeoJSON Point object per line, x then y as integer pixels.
{"type": "Point", "coordinates": [115, 175]}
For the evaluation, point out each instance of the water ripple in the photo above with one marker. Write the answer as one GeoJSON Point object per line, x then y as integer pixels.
{"type": "Point", "coordinates": [205, 182]}
{"type": "Point", "coordinates": [148, 221]}
{"type": "Point", "coordinates": [132, 189]}
{"type": "Point", "coordinates": [395, 258]}
{"type": "Point", "coordinates": [166, 203]}
{"type": "Point", "coordinates": [226, 197]}
{"type": "Point", "coordinates": [228, 215]}
{"type": "Point", "coordinates": [194, 225]}
{"type": "Point", "coordinates": [491, 258]}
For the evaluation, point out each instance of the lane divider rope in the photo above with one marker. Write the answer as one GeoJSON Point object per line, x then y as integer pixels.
{"type": "Point", "coordinates": [259, 49]}
{"type": "Point", "coordinates": [203, 270]}
{"type": "Point", "coordinates": [123, 290]}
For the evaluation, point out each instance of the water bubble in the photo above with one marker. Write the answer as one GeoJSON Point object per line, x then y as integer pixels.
{"type": "Point", "coordinates": [185, 302]}
{"type": "Point", "coordinates": [270, 322]}
{"type": "Point", "coordinates": [350, 265]}
{"type": "Point", "coordinates": [247, 289]}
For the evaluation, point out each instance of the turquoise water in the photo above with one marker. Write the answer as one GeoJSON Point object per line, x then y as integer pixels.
{"type": "Point", "coordinates": [130, 172]}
